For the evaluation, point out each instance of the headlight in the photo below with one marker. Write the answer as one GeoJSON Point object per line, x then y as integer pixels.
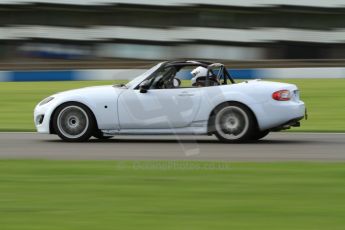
{"type": "Point", "coordinates": [45, 101]}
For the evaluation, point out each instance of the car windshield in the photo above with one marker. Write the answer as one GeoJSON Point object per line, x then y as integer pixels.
{"type": "Point", "coordinates": [142, 77]}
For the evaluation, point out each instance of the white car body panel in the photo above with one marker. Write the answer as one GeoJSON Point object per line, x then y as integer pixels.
{"type": "Point", "coordinates": [159, 108]}
{"type": "Point", "coordinates": [174, 111]}
{"type": "Point", "coordinates": [94, 98]}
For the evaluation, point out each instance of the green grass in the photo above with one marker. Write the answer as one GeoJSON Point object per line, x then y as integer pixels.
{"type": "Point", "coordinates": [325, 99]}
{"type": "Point", "coordinates": [54, 195]}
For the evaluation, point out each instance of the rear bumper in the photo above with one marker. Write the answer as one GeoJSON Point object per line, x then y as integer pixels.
{"type": "Point", "coordinates": [292, 123]}
{"type": "Point", "coordinates": [279, 113]}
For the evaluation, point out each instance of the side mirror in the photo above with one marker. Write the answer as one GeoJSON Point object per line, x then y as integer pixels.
{"type": "Point", "coordinates": [144, 86]}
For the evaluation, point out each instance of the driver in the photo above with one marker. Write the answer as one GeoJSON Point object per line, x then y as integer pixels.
{"type": "Point", "coordinates": [199, 77]}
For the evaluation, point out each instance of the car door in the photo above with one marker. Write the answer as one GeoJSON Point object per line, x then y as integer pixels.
{"type": "Point", "coordinates": [158, 108]}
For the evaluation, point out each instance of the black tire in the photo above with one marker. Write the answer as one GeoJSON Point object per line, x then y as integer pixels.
{"type": "Point", "coordinates": [99, 135]}
{"type": "Point", "coordinates": [259, 135]}
{"type": "Point", "coordinates": [233, 123]}
{"type": "Point", "coordinates": [73, 122]}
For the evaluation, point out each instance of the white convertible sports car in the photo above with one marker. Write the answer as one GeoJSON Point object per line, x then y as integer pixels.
{"type": "Point", "coordinates": [156, 103]}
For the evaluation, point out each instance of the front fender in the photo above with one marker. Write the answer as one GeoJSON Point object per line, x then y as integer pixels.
{"type": "Point", "coordinates": [103, 108]}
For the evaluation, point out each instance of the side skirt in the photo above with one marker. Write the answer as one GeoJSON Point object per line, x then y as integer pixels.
{"type": "Point", "coordinates": [182, 131]}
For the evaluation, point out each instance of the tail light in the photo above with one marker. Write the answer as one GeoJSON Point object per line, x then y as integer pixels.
{"type": "Point", "coordinates": [282, 95]}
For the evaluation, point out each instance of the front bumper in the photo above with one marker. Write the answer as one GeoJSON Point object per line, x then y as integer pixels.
{"type": "Point", "coordinates": [42, 116]}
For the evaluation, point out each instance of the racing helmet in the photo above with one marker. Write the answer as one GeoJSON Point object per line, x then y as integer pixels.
{"type": "Point", "coordinates": [198, 72]}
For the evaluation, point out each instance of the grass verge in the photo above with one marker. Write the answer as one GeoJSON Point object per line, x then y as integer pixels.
{"type": "Point", "coordinates": [325, 99]}
{"type": "Point", "coordinates": [54, 195]}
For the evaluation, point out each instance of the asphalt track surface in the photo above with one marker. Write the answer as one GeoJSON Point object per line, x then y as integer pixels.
{"type": "Point", "coordinates": [275, 147]}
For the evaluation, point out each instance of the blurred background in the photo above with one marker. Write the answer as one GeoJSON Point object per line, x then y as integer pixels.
{"type": "Point", "coordinates": [113, 41]}
{"type": "Point", "coordinates": [67, 34]}
{"type": "Point", "coordinates": [49, 46]}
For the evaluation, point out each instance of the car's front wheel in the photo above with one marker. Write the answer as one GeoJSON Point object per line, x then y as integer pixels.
{"type": "Point", "coordinates": [73, 122]}
{"type": "Point", "coordinates": [233, 122]}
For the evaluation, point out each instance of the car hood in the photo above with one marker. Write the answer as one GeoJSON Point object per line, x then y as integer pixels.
{"type": "Point", "coordinates": [106, 90]}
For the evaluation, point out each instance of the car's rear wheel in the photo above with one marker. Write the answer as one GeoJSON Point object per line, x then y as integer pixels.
{"type": "Point", "coordinates": [233, 122]}
{"type": "Point", "coordinates": [73, 122]}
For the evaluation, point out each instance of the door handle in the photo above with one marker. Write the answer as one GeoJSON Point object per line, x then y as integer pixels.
{"type": "Point", "coordinates": [185, 94]}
